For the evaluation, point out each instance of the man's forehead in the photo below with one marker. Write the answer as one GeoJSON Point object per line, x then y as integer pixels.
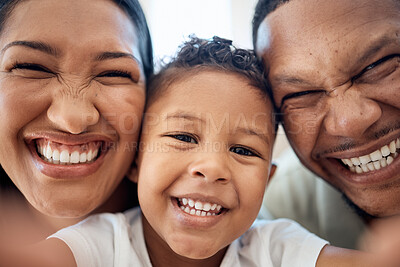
{"type": "Point", "coordinates": [292, 33]}
{"type": "Point", "coordinates": [321, 20]}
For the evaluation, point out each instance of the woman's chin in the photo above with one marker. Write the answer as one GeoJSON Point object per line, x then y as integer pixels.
{"type": "Point", "coordinates": [63, 209]}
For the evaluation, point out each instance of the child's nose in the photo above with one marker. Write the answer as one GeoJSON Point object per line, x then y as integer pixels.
{"type": "Point", "coordinates": [73, 114]}
{"type": "Point", "coordinates": [213, 167]}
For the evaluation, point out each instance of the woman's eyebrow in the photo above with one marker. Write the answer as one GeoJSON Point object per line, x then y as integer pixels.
{"type": "Point", "coordinates": [113, 55]}
{"type": "Point", "coordinates": [37, 45]}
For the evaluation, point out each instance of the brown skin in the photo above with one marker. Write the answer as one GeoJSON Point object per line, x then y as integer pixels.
{"type": "Point", "coordinates": [71, 96]}
{"type": "Point", "coordinates": [170, 166]}
{"type": "Point", "coordinates": [351, 108]}
{"type": "Point", "coordinates": [225, 159]}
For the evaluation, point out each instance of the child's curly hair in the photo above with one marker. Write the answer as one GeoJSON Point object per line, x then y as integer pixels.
{"type": "Point", "coordinates": [217, 53]}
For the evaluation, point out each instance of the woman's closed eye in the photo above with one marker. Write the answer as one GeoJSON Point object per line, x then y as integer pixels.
{"type": "Point", "coordinates": [115, 77]}
{"type": "Point", "coordinates": [116, 73]}
{"type": "Point", "coordinates": [31, 71]}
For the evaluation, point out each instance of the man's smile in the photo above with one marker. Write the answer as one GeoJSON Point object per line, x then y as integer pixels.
{"type": "Point", "coordinates": [376, 160]}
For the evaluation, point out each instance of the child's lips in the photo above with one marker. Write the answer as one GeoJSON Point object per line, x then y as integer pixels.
{"type": "Point", "coordinates": [199, 208]}
{"type": "Point", "coordinates": [197, 218]}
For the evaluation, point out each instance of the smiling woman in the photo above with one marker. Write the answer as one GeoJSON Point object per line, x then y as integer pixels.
{"type": "Point", "coordinates": [72, 93]}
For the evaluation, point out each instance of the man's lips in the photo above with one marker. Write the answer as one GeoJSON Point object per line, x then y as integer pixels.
{"type": "Point", "coordinates": [375, 160]}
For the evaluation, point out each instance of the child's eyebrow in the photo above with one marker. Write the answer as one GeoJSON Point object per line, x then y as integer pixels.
{"type": "Point", "coordinates": [254, 132]}
{"type": "Point", "coordinates": [186, 116]}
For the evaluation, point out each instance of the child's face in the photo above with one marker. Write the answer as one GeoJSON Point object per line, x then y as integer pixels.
{"type": "Point", "coordinates": [207, 140]}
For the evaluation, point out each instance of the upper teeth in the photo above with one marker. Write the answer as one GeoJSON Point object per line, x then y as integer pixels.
{"type": "Point", "coordinates": [64, 156]}
{"type": "Point", "coordinates": [198, 208]}
{"type": "Point", "coordinates": [375, 160]}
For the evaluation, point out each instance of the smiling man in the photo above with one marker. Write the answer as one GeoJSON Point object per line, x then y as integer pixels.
{"type": "Point", "coordinates": [334, 69]}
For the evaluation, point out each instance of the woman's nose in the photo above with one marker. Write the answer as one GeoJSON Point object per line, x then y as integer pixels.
{"type": "Point", "coordinates": [73, 114]}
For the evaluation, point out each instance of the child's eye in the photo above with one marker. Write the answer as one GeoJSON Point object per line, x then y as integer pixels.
{"type": "Point", "coordinates": [243, 151]}
{"type": "Point", "coordinates": [184, 138]}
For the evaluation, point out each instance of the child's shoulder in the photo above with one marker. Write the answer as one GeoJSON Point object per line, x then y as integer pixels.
{"type": "Point", "coordinates": [279, 242]}
{"type": "Point", "coordinates": [100, 239]}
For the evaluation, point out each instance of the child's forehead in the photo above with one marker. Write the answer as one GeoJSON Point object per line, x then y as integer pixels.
{"type": "Point", "coordinates": [223, 87]}
{"type": "Point", "coordinates": [200, 76]}
{"type": "Point", "coordinates": [215, 97]}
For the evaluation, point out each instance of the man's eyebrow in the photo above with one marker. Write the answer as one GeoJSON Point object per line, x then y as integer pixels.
{"type": "Point", "coordinates": [377, 45]}
{"type": "Point", "coordinates": [288, 79]}
{"type": "Point", "coordinates": [43, 47]}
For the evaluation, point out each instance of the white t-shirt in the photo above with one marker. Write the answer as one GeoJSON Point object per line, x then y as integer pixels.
{"type": "Point", "coordinates": [117, 240]}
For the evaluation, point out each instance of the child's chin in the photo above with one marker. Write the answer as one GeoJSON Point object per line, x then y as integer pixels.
{"type": "Point", "coordinates": [194, 252]}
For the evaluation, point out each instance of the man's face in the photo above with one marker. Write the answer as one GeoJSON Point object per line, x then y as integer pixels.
{"type": "Point", "coordinates": [334, 69]}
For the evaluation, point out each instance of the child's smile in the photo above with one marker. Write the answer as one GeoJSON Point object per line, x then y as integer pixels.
{"type": "Point", "coordinates": [204, 162]}
{"type": "Point", "coordinates": [199, 208]}
{"type": "Point", "coordinates": [196, 213]}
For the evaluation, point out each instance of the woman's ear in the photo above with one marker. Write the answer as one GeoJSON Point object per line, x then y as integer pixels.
{"type": "Point", "coordinates": [133, 172]}
{"type": "Point", "coordinates": [272, 171]}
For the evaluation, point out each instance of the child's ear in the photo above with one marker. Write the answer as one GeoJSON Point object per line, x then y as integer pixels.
{"type": "Point", "coordinates": [133, 172]}
{"type": "Point", "coordinates": [272, 171]}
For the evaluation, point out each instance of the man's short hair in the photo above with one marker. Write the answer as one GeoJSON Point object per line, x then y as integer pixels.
{"type": "Point", "coordinates": [263, 8]}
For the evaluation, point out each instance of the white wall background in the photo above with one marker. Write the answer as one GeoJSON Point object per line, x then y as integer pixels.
{"type": "Point", "coordinates": [172, 21]}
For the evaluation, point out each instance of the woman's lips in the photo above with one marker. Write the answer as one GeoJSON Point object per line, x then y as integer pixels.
{"type": "Point", "coordinates": [66, 161]}
{"type": "Point", "coordinates": [57, 153]}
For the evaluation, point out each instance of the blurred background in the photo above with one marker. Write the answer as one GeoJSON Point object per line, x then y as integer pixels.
{"type": "Point", "coordinates": [172, 21]}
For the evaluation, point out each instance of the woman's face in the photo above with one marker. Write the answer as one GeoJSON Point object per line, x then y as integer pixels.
{"type": "Point", "coordinates": [72, 95]}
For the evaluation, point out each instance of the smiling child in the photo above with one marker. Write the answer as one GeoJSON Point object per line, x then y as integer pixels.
{"type": "Point", "coordinates": [203, 165]}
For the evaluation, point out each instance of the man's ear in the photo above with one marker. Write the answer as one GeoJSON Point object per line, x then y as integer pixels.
{"type": "Point", "coordinates": [133, 172]}
{"type": "Point", "coordinates": [272, 171]}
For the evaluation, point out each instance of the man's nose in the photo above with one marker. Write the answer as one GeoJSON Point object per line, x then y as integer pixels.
{"type": "Point", "coordinates": [350, 114]}
{"type": "Point", "coordinates": [73, 114]}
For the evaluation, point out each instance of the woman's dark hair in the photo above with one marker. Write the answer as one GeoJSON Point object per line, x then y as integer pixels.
{"type": "Point", "coordinates": [135, 13]}
{"type": "Point", "coordinates": [132, 8]}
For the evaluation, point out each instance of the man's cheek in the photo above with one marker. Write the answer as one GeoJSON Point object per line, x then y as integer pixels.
{"type": "Point", "coordinates": [296, 124]}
